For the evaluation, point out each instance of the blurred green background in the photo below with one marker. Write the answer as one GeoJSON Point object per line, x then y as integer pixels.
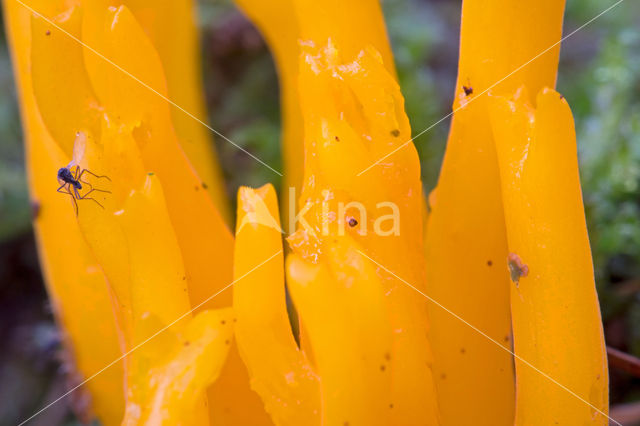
{"type": "Point", "coordinates": [599, 75]}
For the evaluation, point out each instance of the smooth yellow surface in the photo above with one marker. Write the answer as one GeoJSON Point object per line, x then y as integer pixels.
{"type": "Point", "coordinates": [279, 371]}
{"type": "Point", "coordinates": [75, 283]}
{"type": "Point", "coordinates": [172, 28]}
{"type": "Point", "coordinates": [466, 243]}
{"type": "Point", "coordinates": [342, 304]}
{"type": "Point", "coordinates": [556, 317]}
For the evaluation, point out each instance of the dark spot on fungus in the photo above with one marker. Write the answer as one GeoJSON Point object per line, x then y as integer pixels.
{"type": "Point", "coordinates": [561, 96]}
{"type": "Point", "coordinates": [226, 342]}
{"type": "Point", "coordinates": [223, 322]}
{"type": "Point", "coordinates": [235, 320]}
{"type": "Point", "coordinates": [150, 174]}
{"type": "Point", "coordinates": [337, 139]}
{"type": "Point", "coordinates": [506, 338]}
{"type": "Point", "coordinates": [184, 278]}
{"type": "Point", "coordinates": [48, 32]}
{"type": "Point", "coordinates": [197, 188]}
{"type": "Point", "coordinates": [390, 405]}
{"type": "Point", "coordinates": [382, 368]}
{"type": "Point", "coordinates": [352, 222]}
{"type": "Point", "coordinates": [346, 423]}
{"type": "Point", "coordinates": [35, 209]}
{"type": "Point", "coordinates": [463, 351]}
{"type": "Point", "coordinates": [443, 376]}
{"type": "Point", "coordinates": [489, 263]}
{"type": "Point", "coordinates": [204, 185]}
{"type": "Point", "coordinates": [468, 90]}
{"type": "Point", "coordinates": [395, 133]}
{"type": "Point", "coordinates": [186, 343]}
{"type": "Point", "coordinates": [517, 268]}
{"type": "Point", "coordinates": [387, 356]}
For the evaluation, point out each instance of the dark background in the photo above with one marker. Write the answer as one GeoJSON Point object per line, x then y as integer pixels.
{"type": "Point", "coordinates": [599, 75]}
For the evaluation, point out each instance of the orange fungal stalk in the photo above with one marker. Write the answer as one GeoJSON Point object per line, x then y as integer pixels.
{"type": "Point", "coordinates": [466, 238]}
{"type": "Point", "coordinates": [280, 372]}
{"type": "Point", "coordinates": [557, 329]}
{"type": "Point", "coordinates": [353, 114]}
{"type": "Point", "coordinates": [75, 282]}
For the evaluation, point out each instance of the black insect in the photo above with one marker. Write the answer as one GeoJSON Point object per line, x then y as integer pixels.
{"type": "Point", "coordinates": [72, 185]}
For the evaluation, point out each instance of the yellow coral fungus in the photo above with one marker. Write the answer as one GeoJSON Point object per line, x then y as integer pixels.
{"type": "Point", "coordinates": [280, 372]}
{"type": "Point", "coordinates": [556, 318]}
{"type": "Point", "coordinates": [466, 238]}
{"type": "Point", "coordinates": [353, 24]}
{"type": "Point", "coordinates": [76, 285]}
{"type": "Point", "coordinates": [171, 321]}
{"type": "Point", "coordinates": [354, 111]}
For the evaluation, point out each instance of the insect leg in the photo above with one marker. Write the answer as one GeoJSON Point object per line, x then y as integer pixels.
{"type": "Point", "coordinates": [84, 197]}
{"type": "Point", "coordinates": [68, 191]}
{"type": "Point", "coordinates": [93, 174]}
{"type": "Point", "coordinates": [93, 189]}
